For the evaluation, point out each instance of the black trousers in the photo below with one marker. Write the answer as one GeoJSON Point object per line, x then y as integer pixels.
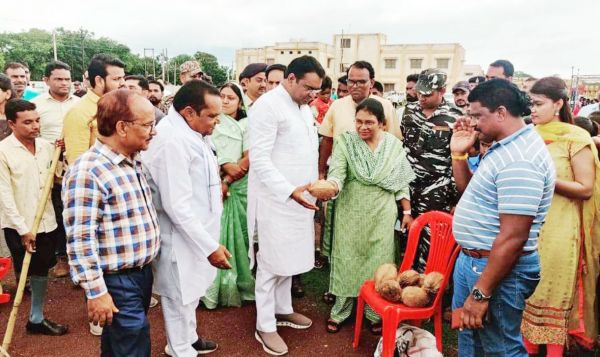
{"type": "Point", "coordinates": [129, 333]}
{"type": "Point", "coordinates": [61, 236]}
{"type": "Point", "coordinates": [41, 261]}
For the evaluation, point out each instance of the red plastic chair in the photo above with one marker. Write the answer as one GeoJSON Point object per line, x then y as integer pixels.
{"type": "Point", "coordinates": [442, 255]}
{"type": "Point", "coordinates": [5, 264]}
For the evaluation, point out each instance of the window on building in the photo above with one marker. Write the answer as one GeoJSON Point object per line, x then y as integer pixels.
{"type": "Point", "coordinates": [344, 67]}
{"type": "Point", "coordinates": [299, 52]}
{"type": "Point", "coordinates": [329, 62]}
{"type": "Point", "coordinates": [281, 52]}
{"type": "Point", "coordinates": [442, 63]}
{"type": "Point", "coordinates": [270, 61]}
{"type": "Point", "coordinates": [416, 63]}
{"type": "Point", "coordinates": [310, 52]}
{"type": "Point", "coordinates": [388, 87]}
{"type": "Point", "coordinates": [291, 52]}
{"type": "Point", "coordinates": [345, 43]}
{"type": "Point", "coordinates": [390, 63]}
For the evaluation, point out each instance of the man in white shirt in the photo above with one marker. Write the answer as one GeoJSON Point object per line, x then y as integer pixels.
{"type": "Point", "coordinates": [283, 163]}
{"type": "Point", "coordinates": [24, 163]}
{"type": "Point", "coordinates": [52, 107]}
{"type": "Point", "coordinates": [184, 176]}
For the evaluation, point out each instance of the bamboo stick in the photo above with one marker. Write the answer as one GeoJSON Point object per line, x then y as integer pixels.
{"type": "Point", "coordinates": [34, 228]}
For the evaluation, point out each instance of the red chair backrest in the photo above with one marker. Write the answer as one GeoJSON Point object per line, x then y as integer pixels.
{"type": "Point", "coordinates": [443, 249]}
{"type": "Point", "coordinates": [5, 264]}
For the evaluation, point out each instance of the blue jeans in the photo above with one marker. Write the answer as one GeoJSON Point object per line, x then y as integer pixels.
{"type": "Point", "coordinates": [129, 333]}
{"type": "Point", "coordinates": [501, 335]}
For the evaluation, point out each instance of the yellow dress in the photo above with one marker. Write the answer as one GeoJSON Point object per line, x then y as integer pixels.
{"type": "Point", "coordinates": [564, 301]}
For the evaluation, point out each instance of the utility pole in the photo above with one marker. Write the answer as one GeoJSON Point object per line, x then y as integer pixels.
{"type": "Point", "coordinates": [82, 52]}
{"type": "Point", "coordinates": [54, 44]}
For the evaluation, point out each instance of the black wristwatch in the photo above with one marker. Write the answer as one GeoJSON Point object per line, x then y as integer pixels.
{"type": "Point", "coordinates": [479, 296]}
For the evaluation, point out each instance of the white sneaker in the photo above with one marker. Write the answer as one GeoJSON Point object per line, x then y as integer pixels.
{"type": "Point", "coordinates": [95, 330]}
{"type": "Point", "coordinates": [153, 301]}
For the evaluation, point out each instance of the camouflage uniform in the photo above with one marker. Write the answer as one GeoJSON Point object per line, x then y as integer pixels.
{"type": "Point", "coordinates": [427, 143]}
{"type": "Point", "coordinates": [192, 67]}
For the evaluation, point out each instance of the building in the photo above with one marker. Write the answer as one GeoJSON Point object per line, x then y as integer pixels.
{"type": "Point", "coordinates": [392, 62]}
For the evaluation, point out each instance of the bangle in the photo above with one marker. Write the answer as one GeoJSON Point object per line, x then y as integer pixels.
{"type": "Point", "coordinates": [407, 213]}
{"type": "Point", "coordinates": [460, 157]}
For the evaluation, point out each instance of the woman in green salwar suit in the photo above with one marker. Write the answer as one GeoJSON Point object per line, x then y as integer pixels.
{"type": "Point", "coordinates": [233, 286]}
{"type": "Point", "coordinates": [371, 173]}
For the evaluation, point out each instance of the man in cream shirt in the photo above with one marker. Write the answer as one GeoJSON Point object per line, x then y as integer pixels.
{"type": "Point", "coordinates": [52, 107]}
{"type": "Point", "coordinates": [183, 173]}
{"type": "Point", "coordinates": [24, 163]}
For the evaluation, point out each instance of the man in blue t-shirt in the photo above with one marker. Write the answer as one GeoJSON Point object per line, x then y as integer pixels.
{"type": "Point", "coordinates": [498, 219]}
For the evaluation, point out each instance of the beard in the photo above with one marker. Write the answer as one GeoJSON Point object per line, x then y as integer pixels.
{"type": "Point", "coordinates": [155, 101]}
{"type": "Point", "coordinates": [411, 99]}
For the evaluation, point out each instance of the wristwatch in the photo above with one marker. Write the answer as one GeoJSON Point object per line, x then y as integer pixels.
{"type": "Point", "coordinates": [479, 296]}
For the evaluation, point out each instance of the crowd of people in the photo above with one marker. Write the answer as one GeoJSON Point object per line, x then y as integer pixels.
{"type": "Point", "coordinates": [208, 196]}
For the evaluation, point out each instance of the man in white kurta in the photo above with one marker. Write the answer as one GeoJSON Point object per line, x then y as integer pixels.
{"type": "Point", "coordinates": [183, 174]}
{"type": "Point", "coordinates": [283, 162]}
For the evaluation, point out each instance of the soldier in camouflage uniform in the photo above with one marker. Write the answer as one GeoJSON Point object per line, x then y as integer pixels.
{"type": "Point", "coordinates": [187, 71]}
{"type": "Point", "coordinates": [426, 127]}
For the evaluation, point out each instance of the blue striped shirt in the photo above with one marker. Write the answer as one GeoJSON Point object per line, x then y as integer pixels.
{"type": "Point", "coordinates": [516, 176]}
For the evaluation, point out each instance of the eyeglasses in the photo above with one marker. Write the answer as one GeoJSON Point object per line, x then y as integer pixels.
{"type": "Point", "coordinates": [360, 82]}
{"type": "Point", "coordinates": [147, 126]}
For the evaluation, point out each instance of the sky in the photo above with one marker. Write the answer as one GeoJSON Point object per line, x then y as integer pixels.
{"type": "Point", "coordinates": [539, 37]}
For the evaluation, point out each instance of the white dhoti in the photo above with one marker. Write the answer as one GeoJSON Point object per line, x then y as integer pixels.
{"type": "Point", "coordinates": [180, 325]}
{"type": "Point", "coordinates": [273, 296]}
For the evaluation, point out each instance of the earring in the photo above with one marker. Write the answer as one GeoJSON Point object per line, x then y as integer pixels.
{"type": "Point", "coordinates": [556, 113]}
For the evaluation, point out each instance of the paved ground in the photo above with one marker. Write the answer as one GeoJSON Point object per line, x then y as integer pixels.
{"type": "Point", "coordinates": [232, 328]}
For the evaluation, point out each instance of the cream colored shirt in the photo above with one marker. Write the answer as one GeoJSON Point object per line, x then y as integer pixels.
{"type": "Point", "coordinates": [52, 114]}
{"type": "Point", "coordinates": [340, 117]}
{"type": "Point", "coordinates": [22, 179]}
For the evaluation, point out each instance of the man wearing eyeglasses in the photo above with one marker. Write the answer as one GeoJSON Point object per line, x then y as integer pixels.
{"type": "Point", "coordinates": [340, 116]}
{"type": "Point", "coordinates": [112, 226]}
{"type": "Point", "coordinates": [426, 127]}
{"type": "Point", "coordinates": [187, 71]}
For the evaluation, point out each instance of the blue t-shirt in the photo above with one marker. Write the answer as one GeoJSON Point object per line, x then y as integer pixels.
{"type": "Point", "coordinates": [516, 176]}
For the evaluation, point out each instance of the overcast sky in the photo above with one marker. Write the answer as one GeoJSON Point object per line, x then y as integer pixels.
{"type": "Point", "coordinates": [539, 37]}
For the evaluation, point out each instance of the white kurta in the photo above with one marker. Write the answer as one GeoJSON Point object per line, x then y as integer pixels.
{"type": "Point", "coordinates": [186, 187]}
{"type": "Point", "coordinates": [283, 156]}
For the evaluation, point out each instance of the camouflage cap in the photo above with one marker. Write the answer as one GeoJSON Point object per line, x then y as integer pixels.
{"type": "Point", "coordinates": [430, 80]}
{"type": "Point", "coordinates": [192, 67]}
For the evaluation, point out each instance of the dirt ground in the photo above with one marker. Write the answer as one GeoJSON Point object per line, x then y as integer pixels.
{"type": "Point", "coordinates": [232, 328]}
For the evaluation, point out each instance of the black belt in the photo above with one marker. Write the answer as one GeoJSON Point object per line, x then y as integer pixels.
{"type": "Point", "coordinates": [480, 253]}
{"type": "Point", "coordinates": [126, 271]}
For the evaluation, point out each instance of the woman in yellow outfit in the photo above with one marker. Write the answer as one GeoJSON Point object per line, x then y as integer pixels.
{"type": "Point", "coordinates": [563, 304]}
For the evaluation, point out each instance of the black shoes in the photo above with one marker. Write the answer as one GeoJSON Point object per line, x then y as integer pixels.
{"type": "Point", "coordinates": [46, 327]}
{"type": "Point", "coordinates": [204, 346]}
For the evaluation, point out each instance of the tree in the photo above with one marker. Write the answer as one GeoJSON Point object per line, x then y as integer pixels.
{"type": "Point", "coordinates": [211, 66]}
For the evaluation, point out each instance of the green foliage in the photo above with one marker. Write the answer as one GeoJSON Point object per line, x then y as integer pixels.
{"type": "Point", "coordinates": [211, 66]}
{"type": "Point", "coordinates": [76, 48]}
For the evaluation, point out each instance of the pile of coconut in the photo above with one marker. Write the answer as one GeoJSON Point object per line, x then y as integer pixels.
{"type": "Point", "coordinates": [409, 287]}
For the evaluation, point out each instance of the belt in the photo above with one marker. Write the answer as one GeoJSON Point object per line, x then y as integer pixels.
{"type": "Point", "coordinates": [126, 271]}
{"type": "Point", "coordinates": [480, 253]}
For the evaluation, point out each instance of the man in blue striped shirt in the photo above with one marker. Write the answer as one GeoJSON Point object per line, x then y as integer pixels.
{"type": "Point", "coordinates": [498, 219]}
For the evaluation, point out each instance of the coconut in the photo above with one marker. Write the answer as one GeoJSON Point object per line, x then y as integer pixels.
{"type": "Point", "coordinates": [390, 290]}
{"type": "Point", "coordinates": [432, 282]}
{"type": "Point", "coordinates": [322, 189]}
{"type": "Point", "coordinates": [385, 272]}
{"type": "Point", "coordinates": [408, 278]}
{"type": "Point", "coordinates": [414, 296]}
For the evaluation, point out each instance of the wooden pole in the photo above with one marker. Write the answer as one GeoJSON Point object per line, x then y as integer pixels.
{"type": "Point", "coordinates": [34, 228]}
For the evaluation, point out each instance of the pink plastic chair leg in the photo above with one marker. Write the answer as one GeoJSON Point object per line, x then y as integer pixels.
{"type": "Point", "coordinates": [360, 309]}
